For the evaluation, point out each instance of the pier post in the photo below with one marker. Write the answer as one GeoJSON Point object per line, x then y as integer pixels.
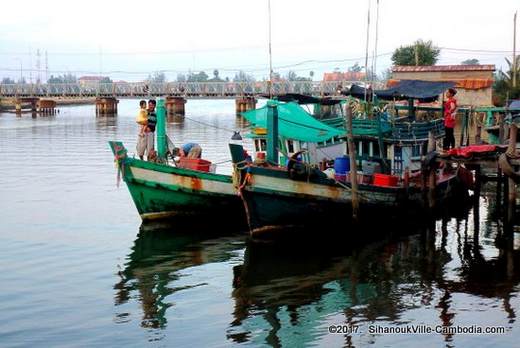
{"type": "Point", "coordinates": [511, 201]}
{"type": "Point", "coordinates": [478, 130]}
{"type": "Point", "coordinates": [244, 103]}
{"type": "Point", "coordinates": [46, 107]}
{"type": "Point", "coordinates": [106, 106]}
{"type": "Point", "coordinates": [18, 106]}
{"type": "Point", "coordinates": [175, 106]}
{"type": "Point", "coordinates": [501, 129]}
{"type": "Point", "coordinates": [499, 189]}
{"type": "Point", "coordinates": [432, 172]}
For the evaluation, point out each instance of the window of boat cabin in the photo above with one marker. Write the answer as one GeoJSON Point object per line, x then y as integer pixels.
{"type": "Point", "coordinates": [290, 146]}
{"type": "Point", "coordinates": [416, 150]}
{"type": "Point", "coordinates": [261, 144]}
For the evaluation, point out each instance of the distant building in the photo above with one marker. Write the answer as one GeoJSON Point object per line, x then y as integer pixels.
{"type": "Point", "coordinates": [474, 83]}
{"type": "Point", "coordinates": [90, 81]}
{"type": "Point", "coordinates": [343, 76]}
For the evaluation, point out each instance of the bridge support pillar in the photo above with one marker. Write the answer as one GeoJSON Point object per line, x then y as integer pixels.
{"type": "Point", "coordinates": [47, 107]}
{"type": "Point", "coordinates": [175, 107]}
{"type": "Point", "coordinates": [18, 106]}
{"type": "Point", "coordinates": [106, 106]}
{"type": "Point", "coordinates": [244, 104]}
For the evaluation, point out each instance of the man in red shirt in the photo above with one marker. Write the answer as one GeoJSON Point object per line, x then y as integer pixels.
{"type": "Point", "coordinates": [450, 110]}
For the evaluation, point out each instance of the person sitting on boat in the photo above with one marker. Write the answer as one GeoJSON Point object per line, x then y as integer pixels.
{"type": "Point", "coordinates": [450, 110]}
{"type": "Point", "coordinates": [142, 121]}
{"type": "Point", "coordinates": [188, 150]}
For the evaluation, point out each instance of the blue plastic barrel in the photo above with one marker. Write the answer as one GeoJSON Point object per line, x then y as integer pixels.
{"type": "Point", "coordinates": [342, 165]}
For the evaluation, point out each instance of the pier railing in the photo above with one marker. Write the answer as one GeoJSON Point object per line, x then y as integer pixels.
{"type": "Point", "coordinates": [183, 89]}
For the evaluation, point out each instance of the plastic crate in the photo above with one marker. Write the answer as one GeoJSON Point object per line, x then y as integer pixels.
{"type": "Point", "coordinates": [385, 180]}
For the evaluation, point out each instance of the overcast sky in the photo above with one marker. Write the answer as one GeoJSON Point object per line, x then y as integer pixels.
{"type": "Point", "coordinates": [129, 39]}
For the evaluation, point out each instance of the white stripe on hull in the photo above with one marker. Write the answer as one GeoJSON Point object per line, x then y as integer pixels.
{"type": "Point", "coordinates": [185, 182]}
{"type": "Point", "coordinates": [318, 191]}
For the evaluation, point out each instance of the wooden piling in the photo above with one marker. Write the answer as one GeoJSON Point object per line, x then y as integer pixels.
{"type": "Point", "coordinates": [432, 177]}
{"type": "Point", "coordinates": [46, 107]}
{"type": "Point", "coordinates": [501, 130]}
{"type": "Point", "coordinates": [511, 201]}
{"type": "Point", "coordinates": [106, 106]}
{"type": "Point", "coordinates": [478, 130]}
{"type": "Point", "coordinates": [353, 165]}
{"type": "Point", "coordinates": [244, 103]}
{"type": "Point", "coordinates": [175, 107]}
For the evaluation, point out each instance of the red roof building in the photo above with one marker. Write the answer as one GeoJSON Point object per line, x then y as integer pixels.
{"type": "Point", "coordinates": [344, 76]}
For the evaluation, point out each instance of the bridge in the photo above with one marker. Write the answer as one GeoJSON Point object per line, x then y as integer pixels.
{"type": "Point", "coordinates": [187, 90]}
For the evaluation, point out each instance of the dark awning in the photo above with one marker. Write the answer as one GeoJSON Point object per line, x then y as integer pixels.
{"type": "Point", "coordinates": [358, 92]}
{"type": "Point", "coordinates": [424, 91]}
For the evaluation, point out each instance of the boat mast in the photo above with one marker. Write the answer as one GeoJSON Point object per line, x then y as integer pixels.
{"type": "Point", "coordinates": [374, 60]}
{"type": "Point", "coordinates": [366, 50]}
{"type": "Point", "coordinates": [270, 54]}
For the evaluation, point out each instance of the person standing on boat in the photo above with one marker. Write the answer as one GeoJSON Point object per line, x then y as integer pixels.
{"type": "Point", "coordinates": [450, 110]}
{"type": "Point", "coordinates": [150, 130]}
{"type": "Point", "coordinates": [142, 121]}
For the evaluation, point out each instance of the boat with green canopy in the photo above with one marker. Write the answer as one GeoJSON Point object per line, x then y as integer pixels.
{"type": "Point", "coordinates": [166, 190]}
{"type": "Point", "coordinates": [303, 195]}
{"type": "Point", "coordinates": [297, 130]}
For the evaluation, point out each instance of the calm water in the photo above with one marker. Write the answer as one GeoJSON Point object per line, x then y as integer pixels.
{"type": "Point", "coordinates": [78, 269]}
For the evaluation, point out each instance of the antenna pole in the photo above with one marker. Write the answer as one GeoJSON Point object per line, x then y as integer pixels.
{"type": "Point", "coordinates": [270, 53]}
{"type": "Point", "coordinates": [514, 51]}
{"type": "Point", "coordinates": [374, 60]}
{"type": "Point", "coordinates": [366, 52]}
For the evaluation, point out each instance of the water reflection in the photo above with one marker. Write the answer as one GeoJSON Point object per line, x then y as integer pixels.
{"type": "Point", "coordinates": [106, 121]}
{"type": "Point", "coordinates": [286, 297]}
{"type": "Point", "coordinates": [151, 268]}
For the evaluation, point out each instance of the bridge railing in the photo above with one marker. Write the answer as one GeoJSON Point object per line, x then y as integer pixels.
{"type": "Point", "coordinates": [185, 89]}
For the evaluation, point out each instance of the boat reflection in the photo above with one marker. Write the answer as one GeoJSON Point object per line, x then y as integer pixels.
{"type": "Point", "coordinates": [287, 297]}
{"type": "Point", "coordinates": [153, 266]}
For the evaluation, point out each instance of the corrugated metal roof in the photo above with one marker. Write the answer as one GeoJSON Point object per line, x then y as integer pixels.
{"type": "Point", "coordinates": [429, 68]}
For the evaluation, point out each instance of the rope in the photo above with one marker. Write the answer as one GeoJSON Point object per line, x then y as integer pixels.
{"type": "Point", "coordinates": [212, 125]}
{"type": "Point", "coordinates": [118, 160]}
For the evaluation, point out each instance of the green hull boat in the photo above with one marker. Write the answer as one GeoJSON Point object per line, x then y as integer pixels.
{"type": "Point", "coordinates": [161, 191]}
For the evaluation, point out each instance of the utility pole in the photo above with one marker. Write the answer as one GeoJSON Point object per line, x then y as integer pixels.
{"type": "Point", "coordinates": [21, 70]}
{"type": "Point", "coordinates": [270, 53]}
{"type": "Point", "coordinates": [514, 51]}
{"type": "Point", "coordinates": [38, 66]}
{"type": "Point", "coordinates": [417, 54]}
{"type": "Point", "coordinates": [30, 65]}
{"type": "Point", "coordinates": [46, 67]}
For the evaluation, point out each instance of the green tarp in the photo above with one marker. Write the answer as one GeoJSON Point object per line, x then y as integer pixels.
{"type": "Point", "coordinates": [294, 123]}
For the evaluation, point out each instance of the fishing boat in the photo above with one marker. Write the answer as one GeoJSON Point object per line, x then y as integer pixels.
{"type": "Point", "coordinates": [165, 191]}
{"type": "Point", "coordinates": [277, 198]}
